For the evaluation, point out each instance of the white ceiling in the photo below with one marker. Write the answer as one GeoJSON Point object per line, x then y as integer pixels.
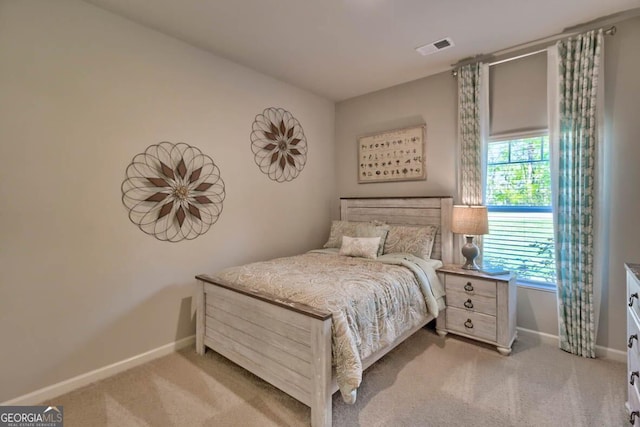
{"type": "Point", "coordinates": [343, 48]}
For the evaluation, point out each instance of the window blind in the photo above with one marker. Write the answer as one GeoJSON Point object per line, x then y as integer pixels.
{"type": "Point", "coordinates": [518, 195]}
{"type": "Point", "coordinates": [521, 242]}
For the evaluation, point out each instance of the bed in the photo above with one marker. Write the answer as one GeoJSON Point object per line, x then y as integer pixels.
{"type": "Point", "coordinates": [288, 343]}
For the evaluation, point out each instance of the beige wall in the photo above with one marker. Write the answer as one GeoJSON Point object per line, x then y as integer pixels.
{"type": "Point", "coordinates": [83, 91]}
{"type": "Point", "coordinates": [622, 131]}
{"type": "Point", "coordinates": [433, 100]}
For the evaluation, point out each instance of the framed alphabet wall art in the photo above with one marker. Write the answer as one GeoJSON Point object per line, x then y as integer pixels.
{"type": "Point", "coordinates": [394, 155]}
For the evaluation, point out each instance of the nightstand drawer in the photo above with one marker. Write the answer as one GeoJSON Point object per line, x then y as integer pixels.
{"type": "Point", "coordinates": [473, 303]}
{"type": "Point", "coordinates": [475, 324]}
{"type": "Point", "coordinates": [470, 285]}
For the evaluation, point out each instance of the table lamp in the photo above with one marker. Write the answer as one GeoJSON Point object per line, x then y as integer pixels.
{"type": "Point", "coordinates": [470, 221]}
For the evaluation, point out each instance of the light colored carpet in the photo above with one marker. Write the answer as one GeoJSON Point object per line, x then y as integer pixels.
{"type": "Point", "coordinates": [426, 381]}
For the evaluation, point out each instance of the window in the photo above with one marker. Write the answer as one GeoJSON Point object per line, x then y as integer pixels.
{"type": "Point", "coordinates": [518, 197]}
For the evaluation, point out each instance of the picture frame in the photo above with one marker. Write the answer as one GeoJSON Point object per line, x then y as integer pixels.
{"type": "Point", "coordinates": [393, 155]}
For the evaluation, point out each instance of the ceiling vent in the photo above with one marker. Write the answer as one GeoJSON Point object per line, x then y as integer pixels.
{"type": "Point", "coordinates": [434, 47]}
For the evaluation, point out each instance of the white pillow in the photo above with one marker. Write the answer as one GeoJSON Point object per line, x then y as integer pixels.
{"type": "Point", "coordinates": [365, 247]}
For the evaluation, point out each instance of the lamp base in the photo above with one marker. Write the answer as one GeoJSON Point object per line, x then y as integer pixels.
{"type": "Point", "coordinates": [470, 252]}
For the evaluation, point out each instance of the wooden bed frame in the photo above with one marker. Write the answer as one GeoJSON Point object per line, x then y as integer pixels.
{"type": "Point", "coordinates": [293, 351]}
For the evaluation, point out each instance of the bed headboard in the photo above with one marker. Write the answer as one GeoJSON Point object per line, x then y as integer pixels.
{"type": "Point", "coordinates": [406, 211]}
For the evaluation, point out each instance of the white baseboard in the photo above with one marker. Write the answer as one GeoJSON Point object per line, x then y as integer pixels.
{"type": "Point", "coordinates": [601, 352]}
{"type": "Point", "coordinates": [82, 380]}
{"type": "Point", "coordinates": [542, 336]}
{"type": "Point", "coordinates": [611, 354]}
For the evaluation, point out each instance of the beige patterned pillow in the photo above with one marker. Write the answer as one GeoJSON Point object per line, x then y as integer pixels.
{"type": "Point", "coordinates": [414, 240]}
{"type": "Point", "coordinates": [365, 247]}
{"type": "Point", "coordinates": [369, 229]}
{"type": "Point", "coordinates": [339, 229]}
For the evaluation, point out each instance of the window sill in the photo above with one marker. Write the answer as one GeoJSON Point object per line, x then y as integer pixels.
{"type": "Point", "coordinates": [537, 286]}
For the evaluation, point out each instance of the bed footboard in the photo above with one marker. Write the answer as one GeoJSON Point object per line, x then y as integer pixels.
{"type": "Point", "coordinates": [285, 343]}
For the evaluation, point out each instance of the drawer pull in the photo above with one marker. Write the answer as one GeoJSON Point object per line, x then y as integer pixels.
{"type": "Point", "coordinates": [468, 287]}
{"type": "Point", "coordinates": [468, 303]}
{"type": "Point", "coordinates": [633, 295]}
{"type": "Point", "coordinates": [632, 417]}
{"type": "Point", "coordinates": [631, 338]}
{"type": "Point", "coordinates": [633, 376]}
{"type": "Point", "coordinates": [468, 324]}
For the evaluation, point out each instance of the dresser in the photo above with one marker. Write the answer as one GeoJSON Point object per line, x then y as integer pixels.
{"type": "Point", "coordinates": [479, 306]}
{"type": "Point", "coordinates": [633, 347]}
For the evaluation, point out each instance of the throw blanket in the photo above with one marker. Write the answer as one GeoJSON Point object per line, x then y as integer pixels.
{"type": "Point", "coordinates": [372, 302]}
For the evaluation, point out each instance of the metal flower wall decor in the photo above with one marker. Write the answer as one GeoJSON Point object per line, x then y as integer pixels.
{"type": "Point", "coordinates": [278, 144]}
{"type": "Point", "coordinates": [173, 191]}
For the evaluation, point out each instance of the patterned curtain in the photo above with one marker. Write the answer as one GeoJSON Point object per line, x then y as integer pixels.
{"type": "Point", "coordinates": [472, 115]}
{"type": "Point", "coordinates": [469, 135]}
{"type": "Point", "coordinates": [579, 61]}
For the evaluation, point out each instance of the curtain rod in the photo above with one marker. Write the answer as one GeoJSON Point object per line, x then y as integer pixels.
{"type": "Point", "coordinates": [547, 41]}
{"type": "Point", "coordinates": [611, 31]}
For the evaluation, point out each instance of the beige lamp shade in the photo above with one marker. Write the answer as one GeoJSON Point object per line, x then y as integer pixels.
{"type": "Point", "coordinates": [470, 220]}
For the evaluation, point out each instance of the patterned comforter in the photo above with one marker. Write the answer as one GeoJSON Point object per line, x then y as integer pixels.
{"type": "Point", "coordinates": [372, 302]}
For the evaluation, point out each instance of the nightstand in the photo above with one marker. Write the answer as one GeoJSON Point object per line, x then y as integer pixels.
{"type": "Point", "coordinates": [479, 306]}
